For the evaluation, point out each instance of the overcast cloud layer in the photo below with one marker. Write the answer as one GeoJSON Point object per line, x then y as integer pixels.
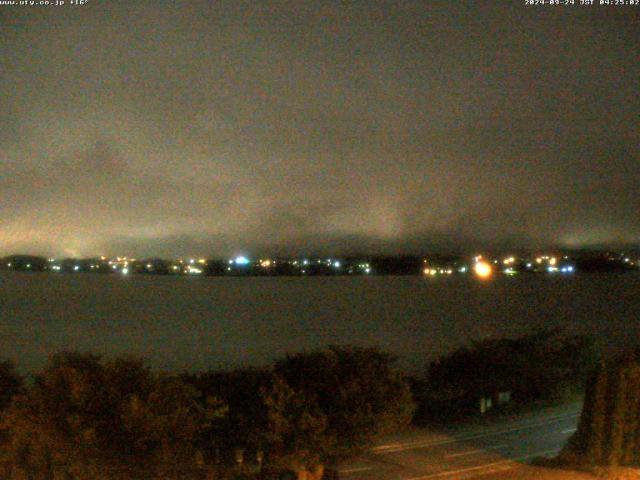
{"type": "Point", "coordinates": [209, 128]}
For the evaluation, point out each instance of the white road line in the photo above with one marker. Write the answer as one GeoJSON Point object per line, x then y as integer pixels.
{"type": "Point", "coordinates": [473, 452]}
{"type": "Point", "coordinates": [389, 445]}
{"type": "Point", "coordinates": [511, 461]}
{"type": "Point", "coordinates": [429, 443]}
{"type": "Point", "coordinates": [568, 430]}
{"type": "Point", "coordinates": [354, 470]}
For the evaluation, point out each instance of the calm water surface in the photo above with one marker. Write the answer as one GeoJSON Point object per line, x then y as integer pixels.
{"type": "Point", "coordinates": [182, 323]}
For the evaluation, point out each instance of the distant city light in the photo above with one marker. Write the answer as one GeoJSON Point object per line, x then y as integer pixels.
{"type": "Point", "coordinates": [241, 260]}
{"type": "Point", "coordinates": [125, 271]}
{"type": "Point", "coordinates": [367, 270]}
{"type": "Point", "coordinates": [336, 264]}
{"type": "Point", "coordinates": [483, 269]}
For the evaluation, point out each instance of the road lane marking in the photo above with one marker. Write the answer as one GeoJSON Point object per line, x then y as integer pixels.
{"type": "Point", "coordinates": [354, 470]}
{"type": "Point", "coordinates": [510, 461]}
{"type": "Point", "coordinates": [492, 471]}
{"type": "Point", "coordinates": [568, 430]}
{"type": "Point", "coordinates": [473, 452]}
{"type": "Point", "coordinates": [393, 448]}
{"type": "Point", "coordinates": [389, 445]}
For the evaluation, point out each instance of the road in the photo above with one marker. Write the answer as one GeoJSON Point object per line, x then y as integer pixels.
{"type": "Point", "coordinates": [482, 449]}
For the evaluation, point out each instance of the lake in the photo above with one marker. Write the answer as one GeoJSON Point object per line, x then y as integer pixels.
{"type": "Point", "coordinates": [193, 323]}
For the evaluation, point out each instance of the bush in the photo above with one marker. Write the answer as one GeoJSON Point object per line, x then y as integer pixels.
{"type": "Point", "coordinates": [90, 417]}
{"type": "Point", "coordinates": [358, 390]}
{"type": "Point", "coordinates": [10, 383]}
{"type": "Point", "coordinates": [116, 419]}
{"type": "Point", "coordinates": [537, 366]}
{"type": "Point", "coordinates": [311, 408]}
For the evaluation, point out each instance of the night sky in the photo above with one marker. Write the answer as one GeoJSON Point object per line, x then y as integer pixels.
{"type": "Point", "coordinates": [214, 127]}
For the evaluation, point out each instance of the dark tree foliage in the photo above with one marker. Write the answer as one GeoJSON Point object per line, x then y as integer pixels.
{"type": "Point", "coordinates": [359, 391]}
{"type": "Point", "coordinates": [402, 265]}
{"type": "Point", "coordinates": [608, 433]}
{"type": "Point", "coordinates": [535, 366]}
{"type": "Point", "coordinates": [246, 418]}
{"type": "Point", "coordinates": [296, 436]}
{"type": "Point", "coordinates": [10, 383]}
{"type": "Point", "coordinates": [215, 268]}
{"type": "Point", "coordinates": [266, 418]}
{"type": "Point", "coordinates": [91, 417]}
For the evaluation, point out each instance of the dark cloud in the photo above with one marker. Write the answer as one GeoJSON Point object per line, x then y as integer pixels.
{"type": "Point", "coordinates": [211, 127]}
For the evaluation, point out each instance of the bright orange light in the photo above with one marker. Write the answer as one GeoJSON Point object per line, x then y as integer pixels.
{"type": "Point", "coordinates": [483, 269]}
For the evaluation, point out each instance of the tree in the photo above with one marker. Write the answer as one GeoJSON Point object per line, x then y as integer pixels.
{"type": "Point", "coordinates": [295, 436]}
{"type": "Point", "coordinates": [266, 418]}
{"type": "Point", "coordinates": [358, 390]}
{"type": "Point", "coordinates": [535, 366]}
{"type": "Point", "coordinates": [609, 428]}
{"type": "Point", "coordinates": [10, 383]}
{"type": "Point", "coordinates": [94, 418]}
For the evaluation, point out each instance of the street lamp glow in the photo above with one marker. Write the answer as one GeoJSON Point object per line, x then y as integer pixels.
{"type": "Point", "coordinates": [483, 269]}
